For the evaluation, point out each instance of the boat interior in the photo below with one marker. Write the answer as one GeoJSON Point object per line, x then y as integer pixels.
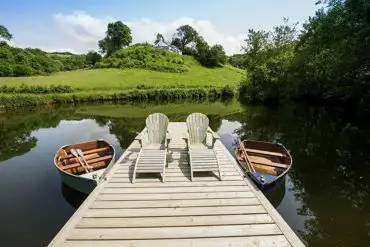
{"type": "Point", "coordinates": [267, 158]}
{"type": "Point", "coordinates": [98, 155]}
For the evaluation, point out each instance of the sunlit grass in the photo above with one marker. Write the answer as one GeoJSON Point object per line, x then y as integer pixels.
{"type": "Point", "coordinates": [112, 79]}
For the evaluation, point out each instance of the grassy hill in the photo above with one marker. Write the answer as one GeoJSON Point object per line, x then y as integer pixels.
{"type": "Point", "coordinates": [115, 84]}
{"type": "Point", "coordinates": [113, 79]}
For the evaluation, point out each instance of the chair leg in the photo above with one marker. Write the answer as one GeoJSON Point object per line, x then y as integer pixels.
{"type": "Point", "coordinates": [134, 175]}
{"type": "Point", "coordinates": [136, 164]}
{"type": "Point", "coordinates": [164, 170]}
{"type": "Point", "coordinates": [219, 169]}
{"type": "Point", "coordinates": [191, 167]}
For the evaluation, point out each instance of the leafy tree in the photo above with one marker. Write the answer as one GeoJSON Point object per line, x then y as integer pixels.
{"type": "Point", "coordinates": [217, 55]}
{"type": "Point", "coordinates": [92, 57]}
{"type": "Point", "coordinates": [209, 56]}
{"type": "Point", "coordinates": [237, 60]}
{"type": "Point", "coordinates": [5, 34]}
{"type": "Point", "coordinates": [268, 59]}
{"type": "Point", "coordinates": [184, 36]}
{"type": "Point", "coordinates": [117, 36]}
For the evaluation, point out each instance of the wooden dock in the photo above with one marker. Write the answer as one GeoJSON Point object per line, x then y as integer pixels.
{"type": "Point", "coordinates": [180, 213]}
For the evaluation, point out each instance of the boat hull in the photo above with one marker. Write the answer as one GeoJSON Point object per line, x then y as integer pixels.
{"type": "Point", "coordinates": [272, 179]}
{"type": "Point", "coordinates": [78, 183]}
{"type": "Point", "coordinates": [84, 183]}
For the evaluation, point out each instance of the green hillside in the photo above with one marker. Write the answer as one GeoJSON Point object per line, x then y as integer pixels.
{"type": "Point", "coordinates": [113, 79]}
{"type": "Point", "coordinates": [119, 84]}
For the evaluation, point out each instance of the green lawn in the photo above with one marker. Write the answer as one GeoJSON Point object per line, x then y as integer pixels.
{"type": "Point", "coordinates": [122, 84]}
{"type": "Point", "coordinates": [112, 79]}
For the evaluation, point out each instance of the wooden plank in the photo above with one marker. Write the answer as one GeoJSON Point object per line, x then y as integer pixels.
{"type": "Point", "coordinates": [87, 152]}
{"type": "Point", "coordinates": [176, 203]}
{"type": "Point", "coordinates": [176, 179]}
{"type": "Point", "coordinates": [179, 174]}
{"type": "Point", "coordinates": [173, 190]}
{"type": "Point", "coordinates": [250, 241]}
{"type": "Point", "coordinates": [267, 162]}
{"type": "Point", "coordinates": [181, 196]}
{"type": "Point", "coordinates": [176, 184]}
{"type": "Point", "coordinates": [212, 220]}
{"type": "Point", "coordinates": [149, 212]}
{"type": "Point", "coordinates": [256, 151]}
{"type": "Point", "coordinates": [90, 162]}
{"type": "Point", "coordinates": [174, 232]}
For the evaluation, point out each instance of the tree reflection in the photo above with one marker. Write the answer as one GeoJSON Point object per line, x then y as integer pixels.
{"type": "Point", "coordinates": [330, 171]}
{"type": "Point", "coordinates": [16, 128]}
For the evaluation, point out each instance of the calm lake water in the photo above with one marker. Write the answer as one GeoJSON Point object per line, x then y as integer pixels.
{"type": "Point", "coordinates": [325, 198]}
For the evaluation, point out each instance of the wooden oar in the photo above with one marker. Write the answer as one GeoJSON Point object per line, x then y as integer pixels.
{"type": "Point", "coordinates": [249, 163]}
{"type": "Point", "coordinates": [74, 153]}
{"type": "Point", "coordinates": [81, 154]}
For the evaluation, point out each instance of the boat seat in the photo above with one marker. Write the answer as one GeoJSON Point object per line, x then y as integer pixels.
{"type": "Point", "coordinates": [75, 165]}
{"type": "Point", "coordinates": [267, 162]}
{"type": "Point", "coordinates": [256, 151]}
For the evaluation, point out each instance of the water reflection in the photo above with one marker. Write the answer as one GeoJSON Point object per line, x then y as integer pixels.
{"type": "Point", "coordinates": [73, 197]}
{"type": "Point", "coordinates": [325, 197]}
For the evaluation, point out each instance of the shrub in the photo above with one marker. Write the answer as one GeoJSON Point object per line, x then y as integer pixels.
{"type": "Point", "coordinates": [5, 69]}
{"type": "Point", "coordinates": [93, 57]}
{"type": "Point", "coordinates": [22, 70]}
{"type": "Point", "coordinates": [6, 54]}
{"type": "Point", "coordinates": [144, 57]}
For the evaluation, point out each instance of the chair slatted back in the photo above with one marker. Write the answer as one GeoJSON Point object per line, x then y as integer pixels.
{"type": "Point", "coordinates": [197, 124]}
{"type": "Point", "coordinates": [156, 125]}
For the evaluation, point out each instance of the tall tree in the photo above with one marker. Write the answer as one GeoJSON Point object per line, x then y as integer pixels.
{"type": "Point", "coordinates": [4, 33]}
{"type": "Point", "coordinates": [185, 35]}
{"type": "Point", "coordinates": [117, 36]}
{"type": "Point", "coordinates": [159, 38]}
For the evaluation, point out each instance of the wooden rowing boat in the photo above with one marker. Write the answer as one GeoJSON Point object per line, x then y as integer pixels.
{"type": "Point", "coordinates": [265, 162]}
{"type": "Point", "coordinates": [99, 156]}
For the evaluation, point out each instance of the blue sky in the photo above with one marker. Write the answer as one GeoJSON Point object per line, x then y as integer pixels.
{"type": "Point", "coordinates": [76, 25]}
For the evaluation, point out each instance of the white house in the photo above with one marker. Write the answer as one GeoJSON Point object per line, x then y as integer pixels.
{"type": "Point", "coordinates": [164, 45]}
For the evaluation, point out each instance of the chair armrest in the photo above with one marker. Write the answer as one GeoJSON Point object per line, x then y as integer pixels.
{"type": "Point", "coordinates": [186, 138]}
{"type": "Point", "coordinates": [215, 137]}
{"type": "Point", "coordinates": [168, 139]}
{"type": "Point", "coordinates": [168, 136]}
{"type": "Point", "coordinates": [140, 137]}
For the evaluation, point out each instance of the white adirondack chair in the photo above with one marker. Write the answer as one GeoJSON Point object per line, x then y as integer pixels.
{"type": "Point", "coordinates": [154, 142]}
{"type": "Point", "coordinates": [201, 156]}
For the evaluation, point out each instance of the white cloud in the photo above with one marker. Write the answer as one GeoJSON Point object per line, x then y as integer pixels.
{"type": "Point", "coordinates": [80, 32]}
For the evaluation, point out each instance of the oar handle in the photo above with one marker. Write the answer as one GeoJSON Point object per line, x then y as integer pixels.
{"type": "Point", "coordinates": [75, 153]}
{"type": "Point", "coordinates": [81, 154]}
{"type": "Point", "coordinates": [246, 156]}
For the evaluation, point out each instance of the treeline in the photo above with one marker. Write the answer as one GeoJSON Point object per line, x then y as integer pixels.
{"type": "Point", "coordinates": [328, 61]}
{"type": "Point", "coordinates": [28, 62]}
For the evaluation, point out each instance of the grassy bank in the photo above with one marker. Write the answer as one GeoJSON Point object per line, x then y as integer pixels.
{"type": "Point", "coordinates": [119, 84]}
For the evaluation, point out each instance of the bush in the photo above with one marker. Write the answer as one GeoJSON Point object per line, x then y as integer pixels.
{"type": "Point", "coordinates": [22, 70]}
{"type": "Point", "coordinates": [37, 89]}
{"type": "Point", "coordinates": [6, 54]}
{"type": "Point", "coordinates": [145, 57]}
{"type": "Point", "coordinates": [5, 69]}
{"type": "Point", "coordinates": [92, 57]}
